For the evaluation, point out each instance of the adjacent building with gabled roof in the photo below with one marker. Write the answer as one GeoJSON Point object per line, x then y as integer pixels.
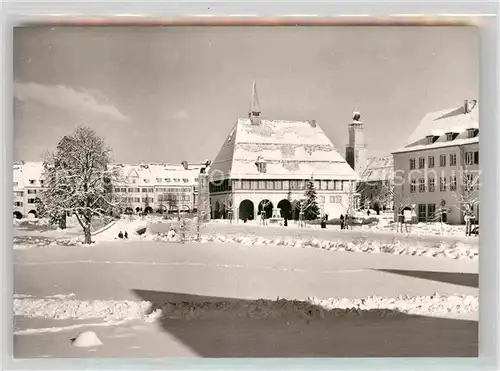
{"type": "Point", "coordinates": [265, 163]}
{"type": "Point", "coordinates": [438, 170]}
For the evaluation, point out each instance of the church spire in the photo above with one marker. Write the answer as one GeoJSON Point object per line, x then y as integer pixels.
{"type": "Point", "coordinates": [254, 104]}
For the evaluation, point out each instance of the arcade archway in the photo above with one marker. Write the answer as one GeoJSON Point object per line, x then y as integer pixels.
{"type": "Point", "coordinates": [286, 209]}
{"type": "Point", "coordinates": [267, 207]}
{"type": "Point", "coordinates": [246, 210]}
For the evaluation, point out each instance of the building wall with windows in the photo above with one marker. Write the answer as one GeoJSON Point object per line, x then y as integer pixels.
{"type": "Point", "coordinates": [332, 197]}
{"type": "Point", "coordinates": [154, 186]}
{"type": "Point", "coordinates": [26, 187]}
{"type": "Point", "coordinates": [440, 170]}
{"type": "Point", "coordinates": [151, 188]}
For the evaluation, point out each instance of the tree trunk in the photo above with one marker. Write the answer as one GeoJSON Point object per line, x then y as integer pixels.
{"type": "Point", "coordinates": [88, 235]}
{"type": "Point", "coordinates": [62, 221]}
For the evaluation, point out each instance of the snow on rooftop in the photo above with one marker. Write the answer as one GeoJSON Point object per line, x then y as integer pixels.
{"type": "Point", "coordinates": [439, 144]}
{"type": "Point", "coordinates": [378, 168]}
{"type": "Point", "coordinates": [447, 120]}
{"type": "Point", "coordinates": [291, 149]}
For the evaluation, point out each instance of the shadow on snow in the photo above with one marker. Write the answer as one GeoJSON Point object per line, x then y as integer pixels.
{"type": "Point", "coordinates": [454, 278]}
{"type": "Point", "coordinates": [367, 334]}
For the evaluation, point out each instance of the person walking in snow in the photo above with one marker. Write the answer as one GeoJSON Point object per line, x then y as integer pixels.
{"type": "Point", "coordinates": [341, 221]}
{"type": "Point", "coordinates": [120, 235]}
{"type": "Point", "coordinates": [125, 235]}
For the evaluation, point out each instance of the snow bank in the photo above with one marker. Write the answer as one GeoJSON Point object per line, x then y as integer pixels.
{"type": "Point", "coordinates": [312, 308]}
{"type": "Point", "coordinates": [29, 242]}
{"type": "Point", "coordinates": [419, 229]}
{"type": "Point", "coordinates": [453, 250]}
{"type": "Point", "coordinates": [384, 224]}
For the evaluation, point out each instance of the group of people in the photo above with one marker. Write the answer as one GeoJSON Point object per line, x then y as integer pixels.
{"type": "Point", "coordinates": [344, 221]}
{"type": "Point", "coordinates": [123, 236]}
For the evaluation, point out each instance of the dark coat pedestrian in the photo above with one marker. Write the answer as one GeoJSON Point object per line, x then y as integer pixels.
{"type": "Point", "coordinates": [120, 235]}
{"type": "Point", "coordinates": [323, 223]}
{"type": "Point", "coordinates": [286, 222]}
{"type": "Point", "coordinates": [341, 221]}
{"type": "Point", "coordinates": [125, 235]}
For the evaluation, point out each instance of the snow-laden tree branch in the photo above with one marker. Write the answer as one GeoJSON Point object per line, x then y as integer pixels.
{"type": "Point", "coordinates": [465, 186]}
{"type": "Point", "coordinates": [79, 180]}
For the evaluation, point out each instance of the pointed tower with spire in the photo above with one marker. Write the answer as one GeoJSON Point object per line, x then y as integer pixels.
{"type": "Point", "coordinates": [254, 111]}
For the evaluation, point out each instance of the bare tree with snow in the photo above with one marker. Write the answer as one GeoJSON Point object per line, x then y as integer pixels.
{"type": "Point", "coordinates": [465, 186]}
{"type": "Point", "coordinates": [227, 205]}
{"type": "Point", "coordinates": [78, 179]}
{"type": "Point", "coordinates": [350, 202]}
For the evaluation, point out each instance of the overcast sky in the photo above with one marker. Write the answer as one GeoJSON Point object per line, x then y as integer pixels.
{"type": "Point", "coordinates": [173, 93]}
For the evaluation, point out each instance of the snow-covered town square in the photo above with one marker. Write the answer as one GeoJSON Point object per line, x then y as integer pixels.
{"type": "Point", "coordinates": [320, 203]}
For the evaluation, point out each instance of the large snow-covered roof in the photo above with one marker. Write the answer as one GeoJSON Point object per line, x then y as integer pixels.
{"type": "Point", "coordinates": [437, 124]}
{"type": "Point", "coordinates": [378, 169]}
{"type": "Point", "coordinates": [290, 149]}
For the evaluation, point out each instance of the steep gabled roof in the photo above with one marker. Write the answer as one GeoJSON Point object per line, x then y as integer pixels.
{"type": "Point", "coordinates": [378, 169]}
{"type": "Point", "coordinates": [291, 150]}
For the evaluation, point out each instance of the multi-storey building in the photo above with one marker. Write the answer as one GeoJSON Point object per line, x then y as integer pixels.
{"type": "Point", "coordinates": [147, 187]}
{"type": "Point", "coordinates": [438, 171]}
{"type": "Point", "coordinates": [27, 184]}
{"type": "Point", "coordinates": [265, 164]}
{"type": "Point", "coordinates": [157, 187]}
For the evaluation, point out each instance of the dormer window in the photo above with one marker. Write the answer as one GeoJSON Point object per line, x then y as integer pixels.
{"type": "Point", "coordinates": [450, 136]}
{"type": "Point", "coordinates": [32, 181]}
{"type": "Point", "coordinates": [168, 180]}
{"type": "Point", "coordinates": [146, 180]}
{"type": "Point", "coordinates": [158, 180]}
{"type": "Point", "coordinates": [177, 180]}
{"type": "Point", "coordinates": [185, 180]}
{"type": "Point", "coordinates": [471, 133]}
{"type": "Point", "coordinates": [429, 139]}
{"type": "Point", "coordinates": [261, 165]}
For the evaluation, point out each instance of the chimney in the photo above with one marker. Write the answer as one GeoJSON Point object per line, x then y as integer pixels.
{"type": "Point", "coordinates": [469, 105]}
{"type": "Point", "coordinates": [313, 123]}
{"type": "Point", "coordinates": [185, 165]}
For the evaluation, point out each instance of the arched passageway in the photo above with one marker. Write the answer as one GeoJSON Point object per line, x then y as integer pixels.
{"type": "Point", "coordinates": [32, 214]}
{"type": "Point", "coordinates": [286, 209]}
{"type": "Point", "coordinates": [217, 213]}
{"type": "Point", "coordinates": [267, 207]}
{"type": "Point", "coordinates": [246, 210]}
{"type": "Point", "coordinates": [148, 210]}
{"type": "Point", "coordinates": [18, 215]}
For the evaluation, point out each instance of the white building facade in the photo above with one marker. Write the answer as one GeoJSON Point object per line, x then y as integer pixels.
{"type": "Point", "coordinates": [146, 187]}
{"type": "Point", "coordinates": [438, 171]}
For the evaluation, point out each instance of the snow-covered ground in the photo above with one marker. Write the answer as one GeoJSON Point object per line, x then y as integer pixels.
{"type": "Point", "coordinates": [177, 292]}
{"type": "Point", "coordinates": [384, 224]}
{"type": "Point", "coordinates": [459, 248]}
